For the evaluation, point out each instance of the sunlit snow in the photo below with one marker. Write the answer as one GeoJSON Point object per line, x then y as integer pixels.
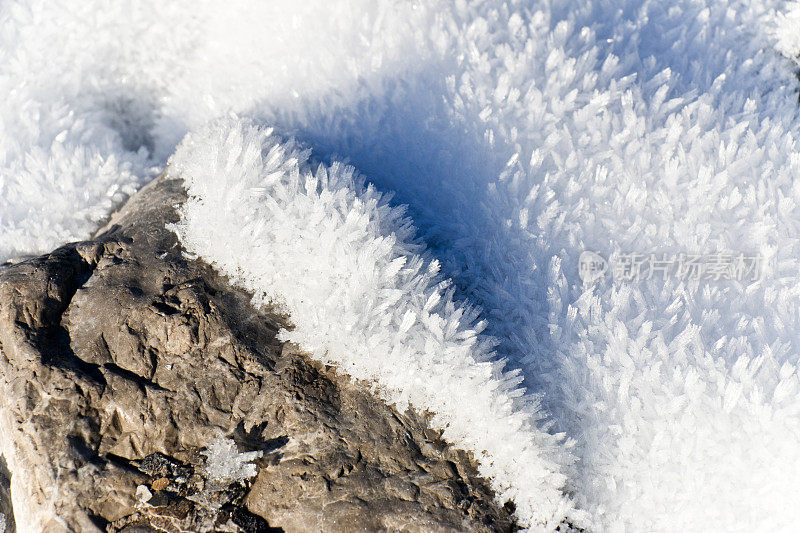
{"type": "Point", "coordinates": [520, 134]}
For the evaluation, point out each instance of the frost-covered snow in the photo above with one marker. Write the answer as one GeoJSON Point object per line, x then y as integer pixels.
{"type": "Point", "coordinates": [520, 134]}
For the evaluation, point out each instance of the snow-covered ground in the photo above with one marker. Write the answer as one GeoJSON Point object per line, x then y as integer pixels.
{"type": "Point", "coordinates": [519, 134]}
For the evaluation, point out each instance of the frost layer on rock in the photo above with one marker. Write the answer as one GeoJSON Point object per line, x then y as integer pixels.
{"type": "Point", "coordinates": [363, 293]}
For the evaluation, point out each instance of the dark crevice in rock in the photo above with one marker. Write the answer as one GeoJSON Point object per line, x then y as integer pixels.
{"type": "Point", "coordinates": [249, 522]}
{"type": "Point", "coordinates": [57, 351]}
{"type": "Point", "coordinates": [124, 464]}
{"type": "Point", "coordinates": [81, 450]}
{"type": "Point", "coordinates": [101, 523]}
{"type": "Point", "coordinates": [165, 308]}
{"type": "Point", "coordinates": [143, 382]}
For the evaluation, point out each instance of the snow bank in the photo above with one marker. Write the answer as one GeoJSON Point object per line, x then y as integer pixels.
{"type": "Point", "coordinates": [363, 294]}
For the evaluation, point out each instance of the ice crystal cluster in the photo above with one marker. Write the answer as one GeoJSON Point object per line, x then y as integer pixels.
{"type": "Point", "coordinates": [226, 464]}
{"type": "Point", "coordinates": [519, 133]}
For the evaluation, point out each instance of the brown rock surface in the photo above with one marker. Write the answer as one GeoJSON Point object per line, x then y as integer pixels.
{"type": "Point", "coordinates": [121, 360]}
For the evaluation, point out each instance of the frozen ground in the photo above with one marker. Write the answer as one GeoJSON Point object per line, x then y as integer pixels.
{"type": "Point", "coordinates": [519, 134]}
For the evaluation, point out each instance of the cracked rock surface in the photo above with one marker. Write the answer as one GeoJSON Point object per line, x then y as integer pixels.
{"type": "Point", "coordinates": [121, 361]}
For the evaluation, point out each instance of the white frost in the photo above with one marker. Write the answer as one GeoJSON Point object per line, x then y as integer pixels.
{"type": "Point", "coordinates": [787, 32]}
{"type": "Point", "coordinates": [225, 464]}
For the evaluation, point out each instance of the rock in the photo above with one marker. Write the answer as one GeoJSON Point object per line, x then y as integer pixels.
{"type": "Point", "coordinates": [122, 361]}
{"type": "Point", "coordinates": [7, 524]}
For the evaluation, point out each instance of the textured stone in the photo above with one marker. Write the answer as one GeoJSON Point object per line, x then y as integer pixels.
{"type": "Point", "coordinates": [7, 524]}
{"type": "Point", "coordinates": [120, 360]}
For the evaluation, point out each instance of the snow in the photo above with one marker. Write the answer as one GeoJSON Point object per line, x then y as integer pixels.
{"type": "Point", "coordinates": [786, 32]}
{"type": "Point", "coordinates": [520, 134]}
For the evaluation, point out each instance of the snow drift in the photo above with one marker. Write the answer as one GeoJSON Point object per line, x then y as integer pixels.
{"type": "Point", "coordinates": [519, 134]}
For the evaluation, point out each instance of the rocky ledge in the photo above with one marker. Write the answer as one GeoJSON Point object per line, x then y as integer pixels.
{"type": "Point", "coordinates": [140, 392]}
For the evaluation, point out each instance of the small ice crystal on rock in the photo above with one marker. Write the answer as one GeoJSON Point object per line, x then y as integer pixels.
{"type": "Point", "coordinates": [225, 464]}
